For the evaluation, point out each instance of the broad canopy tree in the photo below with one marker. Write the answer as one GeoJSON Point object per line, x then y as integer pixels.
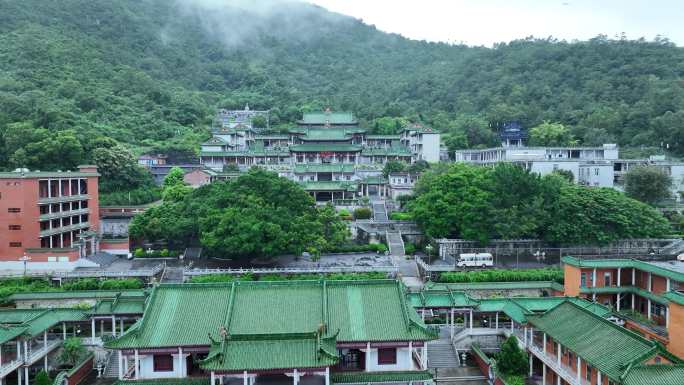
{"type": "Point", "coordinates": [648, 184]}
{"type": "Point", "coordinates": [256, 215]}
{"type": "Point", "coordinates": [508, 202]}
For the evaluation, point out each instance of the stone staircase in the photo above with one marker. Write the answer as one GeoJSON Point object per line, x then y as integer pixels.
{"type": "Point", "coordinates": [112, 369]}
{"type": "Point", "coordinates": [380, 211]}
{"type": "Point", "coordinates": [674, 248]}
{"type": "Point", "coordinates": [395, 243]}
{"type": "Point", "coordinates": [441, 354]}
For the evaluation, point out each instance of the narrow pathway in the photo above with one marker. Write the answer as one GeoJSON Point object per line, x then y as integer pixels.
{"type": "Point", "coordinates": [379, 211]}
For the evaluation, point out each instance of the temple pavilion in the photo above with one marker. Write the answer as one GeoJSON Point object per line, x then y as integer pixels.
{"type": "Point", "coordinates": [313, 332]}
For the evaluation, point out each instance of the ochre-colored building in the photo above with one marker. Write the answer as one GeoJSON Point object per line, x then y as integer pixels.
{"type": "Point", "coordinates": [48, 220]}
{"type": "Point", "coordinates": [647, 295]}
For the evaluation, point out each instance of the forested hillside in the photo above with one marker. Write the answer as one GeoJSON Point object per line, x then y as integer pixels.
{"type": "Point", "coordinates": [150, 73]}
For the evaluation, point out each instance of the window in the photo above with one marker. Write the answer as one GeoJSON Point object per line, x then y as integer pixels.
{"type": "Point", "coordinates": [163, 363]}
{"type": "Point", "coordinates": [588, 373]}
{"type": "Point", "coordinates": [606, 278]}
{"type": "Point", "coordinates": [14, 210]}
{"type": "Point", "coordinates": [387, 356]}
{"type": "Point", "coordinates": [596, 171]}
{"type": "Point", "coordinates": [15, 227]}
{"type": "Point", "coordinates": [583, 280]}
{"type": "Point", "coordinates": [15, 244]}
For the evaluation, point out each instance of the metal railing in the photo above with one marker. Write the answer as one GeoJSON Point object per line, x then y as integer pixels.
{"type": "Point", "coordinates": [39, 350]}
{"type": "Point", "coordinates": [293, 270]}
{"type": "Point", "coordinates": [564, 371]}
{"type": "Point", "coordinates": [86, 273]}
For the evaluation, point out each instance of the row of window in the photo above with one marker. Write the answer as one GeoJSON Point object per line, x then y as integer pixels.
{"type": "Point", "coordinates": [63, 207]}
{"type": "Point", "coordinates": [63, 222]}
{"type": "Point", "coordinates": [54, 188]}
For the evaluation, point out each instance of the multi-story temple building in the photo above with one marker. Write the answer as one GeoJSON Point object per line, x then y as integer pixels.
{"type": "Point", "coordinates": [328, 152]}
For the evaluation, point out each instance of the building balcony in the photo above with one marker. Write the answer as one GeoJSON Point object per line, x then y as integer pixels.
{"type": "Point", "coordinates": [39, 350]}
{"type": "Point", "coordinates": [567, 373]}
{"type": "Point", "coordinates": [67, 198]}
{"type": "Point", "coordinates": [64, 229]}
{"type": "Point", "coordinates": [10, 362]}
{"type": "Point", "coordinates": [62, 214]}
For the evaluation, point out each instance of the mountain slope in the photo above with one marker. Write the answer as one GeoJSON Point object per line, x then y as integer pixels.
{"type": "Point", "coordinates": [150, 73]}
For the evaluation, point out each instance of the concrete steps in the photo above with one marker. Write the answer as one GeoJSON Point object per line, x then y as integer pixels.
{"type": "Point", "coordinates": [380, 212]}
{"type": "Point", "coordinates": [441, 354]}
{"type": "Point", "coordinates": [112, 369]}
{"type": "Point", "coordinates": [395, 243]}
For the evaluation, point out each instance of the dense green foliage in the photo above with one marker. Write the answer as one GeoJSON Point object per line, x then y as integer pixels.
{"type": "Point", "coordinates": [293, 277]}
{"type": "Point", "coordinates": [107, 284]}
{"type": "Point", "coordinates": [72, 351]}
{"type": "Point", "coordinates": [362, 213]}
{"type": "Point", "coordinates": [258, 214]}
{"type": "Point", "coordinates": [22, 285]}
{"type": "Point", "coordinates": [497, 275]}
{"type": "Point", "coordinates": [648, 184]}
{"type": "Point", "coordinates": [42, 378]}
{"type": "Point", "coordinates": [509, 202]}
{"type": "Point", "coordinates": [511, 360]}
{"type": "Point", "coordinates": [150, 74]}
{"type": "Point", "coordinates": [26, 285]}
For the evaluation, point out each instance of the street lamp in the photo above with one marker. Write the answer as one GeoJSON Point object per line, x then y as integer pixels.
{"type": "Point", "coordinates": [428, 250]}
{"type": "Point", "coordinates": [24, 258]}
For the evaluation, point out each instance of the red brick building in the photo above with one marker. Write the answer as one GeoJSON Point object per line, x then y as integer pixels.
{"type": "Point", "coordinates": [50, 217]}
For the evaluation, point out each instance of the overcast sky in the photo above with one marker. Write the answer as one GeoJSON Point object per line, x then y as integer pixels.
{"type": "Point", "coordinates": [483, 22]}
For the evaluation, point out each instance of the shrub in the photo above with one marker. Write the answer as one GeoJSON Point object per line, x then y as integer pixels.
{"type": "Point", "coordinates": [400, 216]}
{"type": "Point", "coordinates": [511, 360]}
{"type": "Point", "coordinates": [498, 275]}
{"type": "Point", "coordinates": [409, 248]}
{"type": "Point", "coordinates": [380, 247]}
{"type": "Point", "coordinates": [362, 213]}
{"type": "Point", "coordinates": [164, 253]}
{"type": "Point", "coordinates": [42, 378]}
{"type": "Point", "coordinates": [72, 351]}
{"type": "Point", "coordinates": [121, 284]}
{"type": "Point", "coordinates": [81, 284]}
{"type": "Point", "coordinates": [139, 253]}
{"type": "Point", "coordinates": [344, 214]}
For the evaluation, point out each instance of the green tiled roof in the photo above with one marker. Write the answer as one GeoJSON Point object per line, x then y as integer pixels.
{"type": "Point", "coordinates": [328, 147]}
{"type": "Point", "coordinates": [387, 137]}
{"type": "Point", "coordinates": [81, 294]}
{"type": "Point", "coordinates": [604, 345]}
{"type": "Point", "coordinates": [655, 375]}
{"type": "Point", "coordinates": [54, 317]}
{"type": "Point", "coordinates": [323, 134]}
{"type": "Point", "coordinates": [119, 306]}
{"type": "Point", "coordinates": [17, 316]}
{"type": "Point", "coordinates": [321, 118]}
{"type": "Point", "coordinates": [658, 269]}
{"type": "Point", "coordinates": [626, 289]}
{"type": "Point", "coordinates": [7, 333]}
{"type": "Point", "coordinates": [369, 377]}
{"type": "Point", "coordinates": [35, 321]}
{"type": "Point", "coordinates": [441, 298]}
{"type": "Point", "coordinates": [166, 381]}
{"type": "Point", "coordinates": [329, 186]}
{"type": "Point", "coordinates": [675, 296]}
{"type": "Point", "coordinates": [185, 314]}
{"type": "Point", "coordinates": [496, 285]}
{"type": "Point", "coordinates": [272, 137]}
{"type": "Point", "coordinates": [392, 151]}
{"type": "Point", "coordinates": [323, 167]}
{"type": "Point", "coordinates": [271, 351]}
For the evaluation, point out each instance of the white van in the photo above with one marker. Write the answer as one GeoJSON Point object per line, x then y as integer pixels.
{"type": "Point", "coordinates": [475, 260]}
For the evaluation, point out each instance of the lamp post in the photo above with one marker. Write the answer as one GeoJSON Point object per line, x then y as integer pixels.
{"type": "Point", "coordinates": [428, 250]}
{"type": "Point", "coordinates": [24, 258]}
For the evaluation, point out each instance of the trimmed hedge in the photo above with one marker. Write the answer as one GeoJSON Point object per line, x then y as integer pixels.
{"type": "Point", "coordinates": [499, 275]}
{"type": "Point", "coordinates": [282, 277]}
